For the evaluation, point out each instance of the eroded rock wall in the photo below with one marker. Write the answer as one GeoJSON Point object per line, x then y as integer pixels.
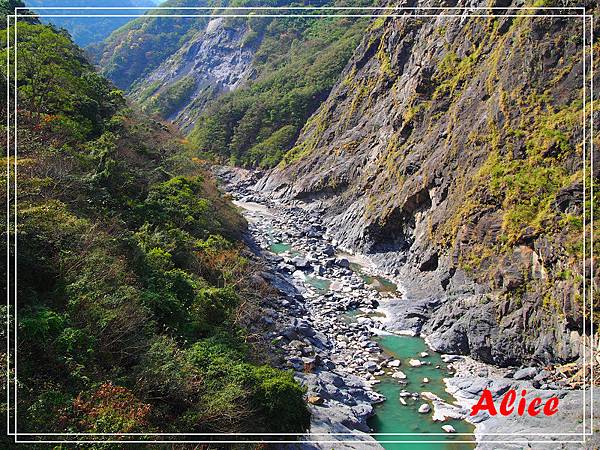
{"type": "Point", "coordinates": [451, 150]}
{"type": "Point", "coordinates": [212, 62]}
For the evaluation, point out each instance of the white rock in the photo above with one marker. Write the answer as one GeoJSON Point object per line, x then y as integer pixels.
{"type": "Point", "coordinates": [451, 358]}
{"type": "Point", "coordinates": [371, 366]}
{"type": "Point", "coordinates": [424, 354]}
{"type": "Point", "coordinates": [394, 363]}
{"type": "Point", "coordinates": [299, 274]}
{"type": "Point", "coordinates": [425, 380]}
{"type": "Point", "coordinates": [213, 25]}
{"type": "Point", "coordinates": [448, 429]}
{"type": "Point", "coordinates": [414, 363]}
{"type": "Point", "coordinates": [403, 401]}
{"type": "Point", "coordinates": [399, 375]}
{"type": "Point", "coordinates": [442, 410]}
{"type": "Point", "coordinates": [424, 408]}
{"type": "Point", "coordinates": [335, 286]}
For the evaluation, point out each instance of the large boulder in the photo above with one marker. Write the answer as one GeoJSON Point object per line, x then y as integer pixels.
{"type": "Point", "coordinates": [342, 262]}
{"type": "Point", "coordinates": [526, 373]}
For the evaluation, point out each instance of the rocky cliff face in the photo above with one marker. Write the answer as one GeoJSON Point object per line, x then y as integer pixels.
{"type": "Point", "coordinates": [451, 150]}
{"type": "Point", "coordinates": [213, 61]}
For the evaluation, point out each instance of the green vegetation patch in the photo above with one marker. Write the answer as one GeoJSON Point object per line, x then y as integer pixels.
{"type": "Point", "coordinates": [168, 101]}
{"type": "Point", "coordinates": [133, 284]}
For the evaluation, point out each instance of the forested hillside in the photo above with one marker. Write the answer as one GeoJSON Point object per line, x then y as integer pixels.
{"type": "Point", "coordinates": [134, 291]}
{"type": "Point", "coordinates": [142, 44]}
{"type": "Point", "coordinates": [242, 87]}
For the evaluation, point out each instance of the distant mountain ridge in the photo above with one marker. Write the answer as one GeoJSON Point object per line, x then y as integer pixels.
{"type": "Point", "coordinates": [89, 30]}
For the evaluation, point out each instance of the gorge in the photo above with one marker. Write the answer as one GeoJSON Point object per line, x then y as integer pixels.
{"type": "Point", "coordinates": [344, 228]}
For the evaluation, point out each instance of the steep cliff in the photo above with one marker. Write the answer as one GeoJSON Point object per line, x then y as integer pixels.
{"type": "Point", "coordinates": [451, 150]}
{"type": "Point", "coordinates": [213, 61]}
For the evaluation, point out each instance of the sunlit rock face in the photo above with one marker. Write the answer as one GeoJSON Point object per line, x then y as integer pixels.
{"type": "Point", "coordinates": [212, 62]}
{"type": "Point", "coordinates": [451, 150]}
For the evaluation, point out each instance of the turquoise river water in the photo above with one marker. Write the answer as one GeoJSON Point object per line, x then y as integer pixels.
{"type": "Point", "coordinates": [394, 417]}
{"type": "Point", "coordinates": [404, 423]}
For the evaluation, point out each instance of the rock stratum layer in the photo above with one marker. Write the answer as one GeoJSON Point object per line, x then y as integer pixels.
{"type": "Point", "coordinates": [451, 149]}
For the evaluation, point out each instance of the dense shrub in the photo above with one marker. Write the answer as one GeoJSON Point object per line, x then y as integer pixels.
{"type": "Point", "coordinates": [127, 268]}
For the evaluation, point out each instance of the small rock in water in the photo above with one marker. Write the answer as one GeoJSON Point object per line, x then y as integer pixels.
{"type": "Point", "coordinates": [414, 363]}
{"type": "Point", "coordinates": [403, 401]}
{"type": "Point", "coordinates": [424, 408]}
{"type": "Point", "coordinates": [394, 363]}
{"type": "Point", "coordinates": [424, 354]}
{"type": "Point", "coordinates": [399, 375]}
{"type": "Point", "coordinates": [448, 429]}
{"type": "Point", "coordinates": [425, 380]}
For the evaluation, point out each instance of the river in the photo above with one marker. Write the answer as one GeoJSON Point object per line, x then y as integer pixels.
{"type": "Point", "coordinates": [358, 343]}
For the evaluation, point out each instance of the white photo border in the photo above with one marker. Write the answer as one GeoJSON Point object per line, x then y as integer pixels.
{"type": "Point", "coordinates": [372, 12]}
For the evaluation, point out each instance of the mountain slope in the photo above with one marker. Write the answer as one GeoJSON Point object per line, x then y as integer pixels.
{"type": "Point", "coordinates": [137, 48]}
{"type": "Point", "coordinates": [294, 67]}
{"type": "Point", "coordinates": [137, 309]}
{"type": "Point", "coordinates": [268, 75]}
{"type": "Point", "coordinates": [211, 62]}
{"type": "Point", "coordinates": [452, 151]}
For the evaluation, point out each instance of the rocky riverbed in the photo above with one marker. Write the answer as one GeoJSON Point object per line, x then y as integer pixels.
{"type": "Point", "coordinates": [333, 307]}
{"type": "Point", "coordinates": [336, 359]}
